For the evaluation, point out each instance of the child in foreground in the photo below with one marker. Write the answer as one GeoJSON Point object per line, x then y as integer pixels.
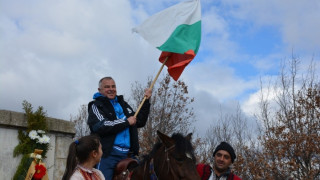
{"type": "Point", "coordinates": [83, 155]}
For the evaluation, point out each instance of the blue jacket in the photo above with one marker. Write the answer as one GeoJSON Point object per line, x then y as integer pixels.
{"type": "Point", "coordinates": [103, 121]}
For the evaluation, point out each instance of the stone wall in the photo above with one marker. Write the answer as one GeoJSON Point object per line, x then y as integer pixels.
{"type": "Point", "coordinates": [61, 133]}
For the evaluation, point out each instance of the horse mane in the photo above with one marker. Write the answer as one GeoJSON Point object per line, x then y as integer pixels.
{"type": "Point", "coordinates": [182, 146]}
{"type": "Point", "coordinates": [169, 158]}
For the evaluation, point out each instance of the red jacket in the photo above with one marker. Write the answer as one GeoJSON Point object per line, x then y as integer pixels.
{"type": "Point", "coordinates": [205, 172]}
{"type": "Point", "coordinates": [233, 177]}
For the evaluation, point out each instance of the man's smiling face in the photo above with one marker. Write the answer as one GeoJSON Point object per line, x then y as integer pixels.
{"type": "Point", "coordinates": [108, 88]}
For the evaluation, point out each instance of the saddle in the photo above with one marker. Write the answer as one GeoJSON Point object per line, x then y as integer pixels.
{"type": "Point", "coordinates": [122, 170]}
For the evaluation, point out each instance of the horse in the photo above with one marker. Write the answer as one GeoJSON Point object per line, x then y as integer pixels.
{"type": "Point", "coordinates": [171, 158]}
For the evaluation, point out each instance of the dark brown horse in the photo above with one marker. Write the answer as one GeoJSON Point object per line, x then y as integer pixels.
{"type": "Point", "coordinates": [172, 158]}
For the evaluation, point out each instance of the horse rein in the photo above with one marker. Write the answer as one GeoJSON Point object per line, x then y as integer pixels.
{"type": "Point", "coordinates": [153, 175]}
{"type": "Point", "coordinates": [166, 150]}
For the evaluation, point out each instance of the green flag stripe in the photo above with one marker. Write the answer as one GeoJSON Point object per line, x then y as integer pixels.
{"type": "Point", "coordinates": [183, 38]}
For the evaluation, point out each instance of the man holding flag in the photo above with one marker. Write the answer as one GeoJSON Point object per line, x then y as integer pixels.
{"type": "Point", "coordinates": [175, 31]}
{"type": "Point", "coordinates": [112, 118]}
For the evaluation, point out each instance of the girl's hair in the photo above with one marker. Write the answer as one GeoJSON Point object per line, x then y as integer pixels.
{"type": "Point", "coordinates": [79, 152]}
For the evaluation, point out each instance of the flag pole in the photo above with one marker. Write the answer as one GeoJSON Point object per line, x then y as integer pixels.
{"type": "Point", "coordinates": [152, 84]}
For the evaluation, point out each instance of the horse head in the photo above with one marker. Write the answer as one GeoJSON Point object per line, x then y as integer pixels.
{"type": "Point", "coordinates": [171, 158]}
{"type": "Point", "coordinates": [175, 158]}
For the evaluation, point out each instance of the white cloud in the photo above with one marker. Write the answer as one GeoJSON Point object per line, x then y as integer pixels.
{"type": "Point", "coordinates": [217, 80]}
{"type": "Point", "coordinates": [208, 110]}
{"type": "Point", "coordinates": [53, 53]}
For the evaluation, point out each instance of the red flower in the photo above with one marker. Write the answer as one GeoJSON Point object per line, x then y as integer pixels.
{"type": "Point", "coordinates": [40, 172]}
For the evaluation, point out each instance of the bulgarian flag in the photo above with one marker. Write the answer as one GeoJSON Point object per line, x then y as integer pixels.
{"type": "Point", "coordinates": [176, 31]}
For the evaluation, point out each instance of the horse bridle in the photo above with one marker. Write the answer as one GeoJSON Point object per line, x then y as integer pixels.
{"type": "Point", "coordinates": [151, 164]}
{"type": "Point", "coordinates": [166, 151]}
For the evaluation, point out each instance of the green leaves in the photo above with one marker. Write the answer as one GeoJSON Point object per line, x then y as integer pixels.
{"type": "Point", "coordinates": [37, 123]}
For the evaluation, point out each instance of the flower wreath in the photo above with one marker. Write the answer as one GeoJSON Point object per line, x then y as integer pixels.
{"type": "Point", "coordinates": [34, 137]}
{"type": "Point", "coordinates": [37, 169]}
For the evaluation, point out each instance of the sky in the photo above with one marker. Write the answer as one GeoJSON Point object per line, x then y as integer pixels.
{"type": "Point", "coordinates": [53, 53]}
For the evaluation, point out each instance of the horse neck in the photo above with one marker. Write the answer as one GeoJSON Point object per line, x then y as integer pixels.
{"type": "Point", "coordinates": [141, 172]}
{"type": "Point", "coordinates": [162, 164]}
{"type": "Point", "coordinates": [158, 165]}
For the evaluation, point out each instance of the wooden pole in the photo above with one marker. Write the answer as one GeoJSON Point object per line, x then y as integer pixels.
{"type": "Point", "coordinates": [152, 84]}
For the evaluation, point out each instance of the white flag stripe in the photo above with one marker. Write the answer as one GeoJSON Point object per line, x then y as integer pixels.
{"type": "Point", "coordinates": [158, 28]}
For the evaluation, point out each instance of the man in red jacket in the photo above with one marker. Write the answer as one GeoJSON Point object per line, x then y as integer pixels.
{"type": "Point", "coordinates": [224, 156]}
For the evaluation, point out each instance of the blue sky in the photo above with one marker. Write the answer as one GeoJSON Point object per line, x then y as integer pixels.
{"type": "Point", "coordinates": [53, 53]}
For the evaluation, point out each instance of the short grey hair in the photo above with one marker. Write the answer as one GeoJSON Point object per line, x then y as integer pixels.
{"type": "Point", "coordinates": [107, 77]}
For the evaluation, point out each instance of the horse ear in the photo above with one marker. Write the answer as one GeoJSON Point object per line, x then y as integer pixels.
{"type": "Point", "coordinates": [189, 136]}
{"type": "Point", "coordinates": [166, 140]}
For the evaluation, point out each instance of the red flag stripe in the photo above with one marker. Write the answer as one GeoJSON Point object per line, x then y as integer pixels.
{"type": "Point", "coordinates": [177, 62]}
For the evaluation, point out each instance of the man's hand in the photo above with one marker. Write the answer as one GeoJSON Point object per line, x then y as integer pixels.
{"type": "Point", "coordinates": [132, 120]}
{"type": "Point", "coordinates": [147, 93]}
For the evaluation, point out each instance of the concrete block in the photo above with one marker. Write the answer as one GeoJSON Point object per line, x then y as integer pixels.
{"type": "Point", "coordinates": [62, 146]}
{"type": "Point", "coordinates": [60, 166]}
